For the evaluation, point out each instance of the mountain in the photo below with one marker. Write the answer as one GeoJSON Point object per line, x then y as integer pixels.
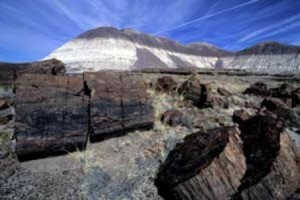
{"type": "Point", "coordinates": [108, 48]}
{"type": "Point", "coordinates": [271, 47]}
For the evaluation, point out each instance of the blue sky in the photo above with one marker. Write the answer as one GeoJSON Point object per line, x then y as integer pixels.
{"type": "Point", "coordinates": [31, 29]}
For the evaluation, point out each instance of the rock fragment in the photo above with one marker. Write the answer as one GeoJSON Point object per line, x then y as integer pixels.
{"type": "Point", "coordinates": [172, 117]}
{"type": "Point", "coordinates": [166, 84]}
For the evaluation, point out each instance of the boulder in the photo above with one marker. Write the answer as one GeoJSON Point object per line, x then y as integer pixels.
{"type": "Point", "coordinates": [197, 92]}
{"type": "Point", "coordinates": [172, 117]}
{"type": "Point", "coordinates": [51, 115]}
{"type": "Point", "coordinates": [166, 84]}
{"type": "Point", "coordinates": [118, 103]}
{"type": "Point", "coordinates": [259, 89]}
{"type": "Point", "coordinates": [223, 92]}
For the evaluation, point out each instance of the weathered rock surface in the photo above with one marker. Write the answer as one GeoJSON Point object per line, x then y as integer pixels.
{"type": "Point", "coordinates": [166, 84]}
{"type": "Point", "coordinates": [51, 115]}
{"type": "Point", "coordinates": [172, 117]}
{"type": "Point", "coordinates": [261, 162]}
{"type": "Point", "coordinates": [10, 71]}
{"type": "Point", "coordinates": [118, 103]}
{"type": "Point", "coordinates": [207, 165]}
{"type": "Point", "coordinates": [258, 88]}
{"type": "Point", "coordinates": [197, 92]}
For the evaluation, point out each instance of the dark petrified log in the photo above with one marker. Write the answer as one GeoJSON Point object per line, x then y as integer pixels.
{"type": "Point", "coordinates": [261, 138]}
{"type": "Point", "coordinates": [207, 165]}
{"type": "Point", "coordinates": [283, 91]}
{"type": "Point", "coordinates": [118, 103]}
{"type": "Point", "coordinates": [166, 84]}
{"type": "Point", "coordinates": [276, 106]}
{"type": "Point", "coordinates": [51, 115]}
{"type": "Point", "coordinates": [259, 89]}
{"type": "Point", "coordinates": [4, 104]}
{"type": "Point", "coordinates": [10, 71]}
{"type": "Point", "coordinates": [296, 98]}
{"type": "Point", "coordinates": [197, 92]}
{"type": "Point", "coordinates": [172, 117]}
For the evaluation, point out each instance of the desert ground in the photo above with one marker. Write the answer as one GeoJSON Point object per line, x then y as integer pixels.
{"type": "Point", "coordinates": [126, 166]}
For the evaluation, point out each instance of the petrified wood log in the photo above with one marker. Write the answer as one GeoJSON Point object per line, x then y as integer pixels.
{"type": "Point", "coordinates": [283, 91]}
{"type": "Point", "coordinates": [4, 104]}
{"type": "Point", "coordinates": [166, 84]}
{"type": "Point", "coordinates": [276, 106]}
{"type": "Point", "coordinates": [118, 103]}
{"type": "Point", "coordinates": [197, 92]}
{"type": "Point", "coordinates": [260, 163]}
{"type": "Point", "coordinates": [51, 115]}
{"type": "Point", "coordinates": [287, 93]}
{"type": "Point", "coordinates": [259, 89]}
{"type": "Point", "coordinates": [207, 165]}
{"type": "Point", "coordinates": [273, 167]}
{"type": "Point", "coordinates": [296, 98]}
{"type": "Point", "coordinates": [10, 71]}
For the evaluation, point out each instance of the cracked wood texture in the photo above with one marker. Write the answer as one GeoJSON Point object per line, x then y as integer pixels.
{"type": "Point", "coordinates": [51, 115]}
{"type": "Point", "coordinates": [207, 165]}
{"type": "Point", "coordinates": [118, 103]}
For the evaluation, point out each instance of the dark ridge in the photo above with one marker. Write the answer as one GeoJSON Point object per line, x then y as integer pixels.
{"type": "Point", "coordinates": [152, 41]}
{"type": "Point", "coordinates": [190, 157]}
{"type": "Point", "coordinates": [200, 49]}
{"type": "Point", "coordinates": [270, 48]}
{"type": "Point", "coordinates": [261, 146]}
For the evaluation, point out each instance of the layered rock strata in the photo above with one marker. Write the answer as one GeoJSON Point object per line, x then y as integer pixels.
{"type": "Point", "coordinates": [108, 48]}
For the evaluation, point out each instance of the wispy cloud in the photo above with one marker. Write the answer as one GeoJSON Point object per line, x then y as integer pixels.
{"type": "Point", "coordinates": [273, 29]}
{"type": "Point", "coordinates": [30, 30]}
{"type": "Point", "coordinates": [208, 16]}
